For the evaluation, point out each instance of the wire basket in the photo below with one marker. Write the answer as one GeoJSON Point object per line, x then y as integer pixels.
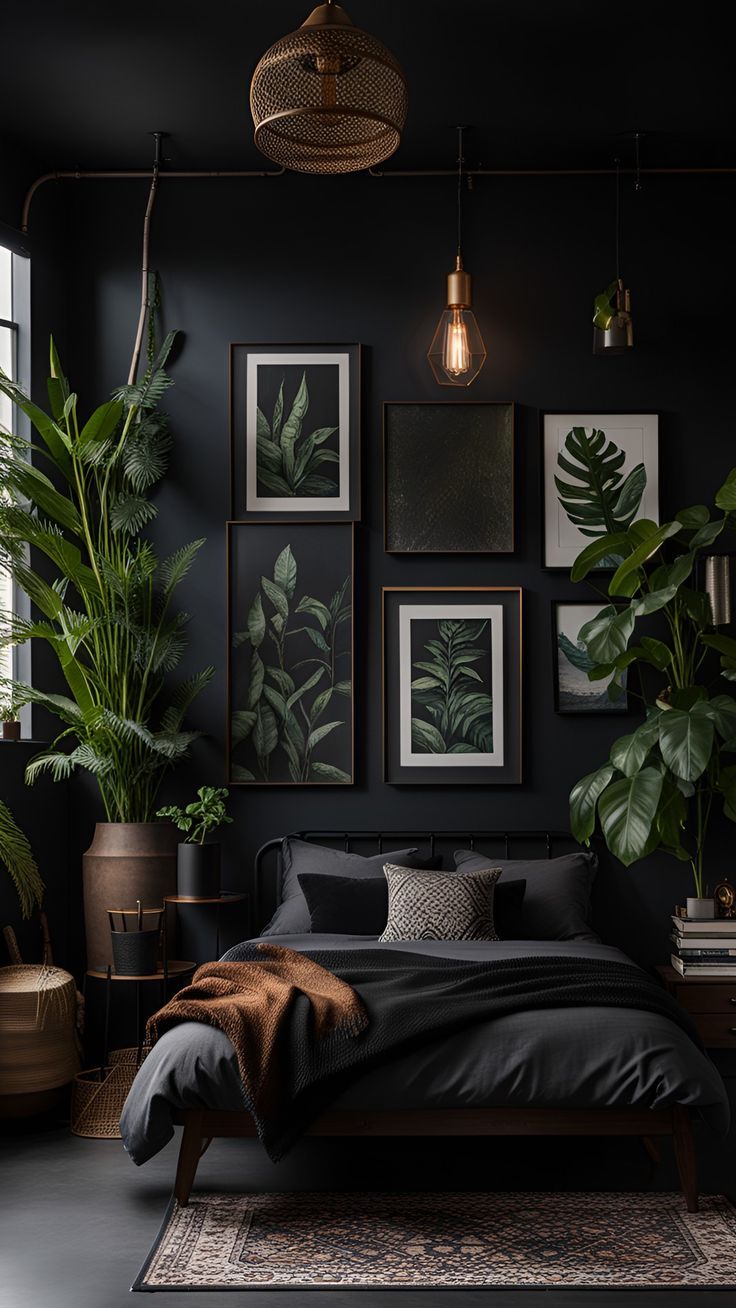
{"type": "Point", "coordinates": [98, 1095]}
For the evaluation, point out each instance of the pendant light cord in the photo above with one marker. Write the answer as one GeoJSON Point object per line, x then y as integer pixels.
{"type": "Point", "coordinates": [460, 162]}
{"type": "Point", "coordinates": [618, 219]}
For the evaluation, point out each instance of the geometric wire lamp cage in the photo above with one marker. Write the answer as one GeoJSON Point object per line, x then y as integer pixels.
{"type": "Point", "coordinates": [328, 98]}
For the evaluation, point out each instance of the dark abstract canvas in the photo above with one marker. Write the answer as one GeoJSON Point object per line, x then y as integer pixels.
{"type": "Point", "coordinates": [449, 478]}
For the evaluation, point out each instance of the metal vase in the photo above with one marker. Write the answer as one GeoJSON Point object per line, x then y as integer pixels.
{"type": "Point", "coordinates": [126, 861]}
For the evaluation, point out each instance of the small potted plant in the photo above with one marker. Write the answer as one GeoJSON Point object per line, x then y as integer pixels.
{"type": "Point", "coordinates": [9, 719]}
{"type": "Point", "coordinates": [198, 864]}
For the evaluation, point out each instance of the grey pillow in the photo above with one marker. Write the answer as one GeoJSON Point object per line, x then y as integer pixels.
{"type": "Point", "coordinates": [440, 905]}
{"type": "Point", "coordinates": [292, 917]}
{"type": "Point", "coordinates": [557, 901]}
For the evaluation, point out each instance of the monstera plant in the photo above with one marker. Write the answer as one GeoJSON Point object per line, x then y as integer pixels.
{"type": "Point", "coordinates": [661, 782]}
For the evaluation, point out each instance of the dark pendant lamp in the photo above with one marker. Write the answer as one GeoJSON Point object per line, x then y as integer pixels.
{"type": "Point", "coordinates": [613, 327]}
{"type": "Point", "coordinates": [457, 352]}
{"type": "Point", "coordinates": [328, 98]}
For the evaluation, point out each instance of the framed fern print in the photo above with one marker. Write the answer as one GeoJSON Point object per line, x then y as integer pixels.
{"type": "Point", "coordinates": [290, 654]}
{"type": "Point", "coordinates": [295, 414]}
{"type": "Point", "coordinates": [599, 472]}
{"type": "Point", "coordinates": [452, 685]}
{"type": "Point", "coordinates": [573, 692]}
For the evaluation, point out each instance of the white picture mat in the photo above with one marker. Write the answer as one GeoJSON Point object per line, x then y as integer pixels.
{"type": "Point", "coordinates": [292, 504]}
{"type": "Point", "coordinates": [409, 613]}
{"type": "Point", "coordinates": [635, 433]}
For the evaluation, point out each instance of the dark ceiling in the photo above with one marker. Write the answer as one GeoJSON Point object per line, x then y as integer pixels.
{"type": "Point", "coordinates": [556, 84]}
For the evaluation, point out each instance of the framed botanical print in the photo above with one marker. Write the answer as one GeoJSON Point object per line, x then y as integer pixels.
{"type": "Point", "coordinates": [599, 472]}
{"type": "Point", "coordinates": [290, 654]}
{"type": "Point", "coordinates": [573, 692]}
{"type": "Point", "coordinates": [295, 413]}
{"type": "Point", "coordinates": [452, 685]}
{"type": "Point", "coordinates": [448, 477]}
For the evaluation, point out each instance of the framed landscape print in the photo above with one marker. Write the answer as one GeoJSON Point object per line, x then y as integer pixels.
{"type": "Point", "coordinates": [290, 654]}
{"type": "Point", "coordinates": [574, 693]}
{"type": "Point", "coordinates": [597, 468]}
{"type": "Point", "coordinates": [448, 478]}
{"type": "Point", "coordinates": [452, 685]}
{"type": "Point", "coordinates": [295, 415]}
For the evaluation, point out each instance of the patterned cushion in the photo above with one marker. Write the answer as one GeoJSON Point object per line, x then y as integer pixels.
{"type": "Point", "coordinates": [440, 905]}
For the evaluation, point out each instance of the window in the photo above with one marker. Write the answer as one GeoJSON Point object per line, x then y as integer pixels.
{"type": "Point", "coordinates": [15, 352]}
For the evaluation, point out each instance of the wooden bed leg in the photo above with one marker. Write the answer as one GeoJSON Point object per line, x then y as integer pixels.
{"type": "Point", "coordinates": [190, 1152]}
{"type": "Point", "coordinates": [682, 1135]}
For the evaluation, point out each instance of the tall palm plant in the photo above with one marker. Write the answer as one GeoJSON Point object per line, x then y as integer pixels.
{"type": "Point", "coordinates": [102, 599]}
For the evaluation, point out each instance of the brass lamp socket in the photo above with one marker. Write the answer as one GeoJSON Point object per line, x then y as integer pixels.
{"type": "Point", "coordinates": [459, 287]}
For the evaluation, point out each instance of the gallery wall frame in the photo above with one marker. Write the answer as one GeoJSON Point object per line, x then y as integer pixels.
{"type": "Point", "coordinates": [458, 722]}
{"type": "Point", "coordinates": [290, 641]}
{"type": "Point", "coordinates": [635, 433]}
{"type": "Point", "coordinates": [449, 477]}
{"type": "Point", "coordinates": [573, 694]}
{"type": "Point", "coordinates": [317, 470]}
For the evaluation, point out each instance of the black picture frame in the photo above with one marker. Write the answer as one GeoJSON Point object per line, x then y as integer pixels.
{"type": "Point", "coordinates": [651, 502]}
{"type": "Point", "coordinates": [591, 702]}
{"type": "Point", "coordinates": [334, 372]}
{"type": "Point", "coordinates": [492, 620]}
{"type": "Point", "coordinates": [311, 589]}
{"type": "Point", "coordinates": [448, 477]}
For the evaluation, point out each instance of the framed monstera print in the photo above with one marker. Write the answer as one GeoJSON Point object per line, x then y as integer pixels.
{"type": "Point", "coordinates": [290, 654]}
{"type": "Point", "coordinates": [599, 472]}
{"type": "Point", "coordinates": [295, 413]}
{"type": "Point", "coordinates": [452, 685]}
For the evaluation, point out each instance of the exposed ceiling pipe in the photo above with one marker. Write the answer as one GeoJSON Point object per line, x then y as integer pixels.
{"type": "Point", "coordinates": [123, 174]}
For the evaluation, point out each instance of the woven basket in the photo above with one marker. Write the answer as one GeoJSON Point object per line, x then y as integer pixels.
{"type": "Point", "coordinates": [98, 1095]}
{"type": "Point", "coordinates": [38, 1017]}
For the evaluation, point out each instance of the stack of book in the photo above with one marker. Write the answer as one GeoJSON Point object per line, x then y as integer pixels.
{"type": "Point", "coordinates": [704, 947]}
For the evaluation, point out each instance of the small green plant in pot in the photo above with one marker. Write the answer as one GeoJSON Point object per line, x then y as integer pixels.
{"type": "Point", "coordinates": [661, 783]}
{"type": "Point", "coordinates": [198, 862]}
{"type": "Point", "coordinates": [9, 719]}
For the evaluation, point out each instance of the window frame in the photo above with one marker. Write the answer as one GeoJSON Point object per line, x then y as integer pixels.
{"type": "Point", "coordinates": [20, 325]}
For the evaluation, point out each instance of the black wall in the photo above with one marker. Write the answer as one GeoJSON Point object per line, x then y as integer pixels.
{"type": "Point", "coordinates": [364, 259]}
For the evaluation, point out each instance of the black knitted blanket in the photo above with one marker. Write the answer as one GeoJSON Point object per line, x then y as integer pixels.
{"type": "Point", "coordinates": [412, 999]}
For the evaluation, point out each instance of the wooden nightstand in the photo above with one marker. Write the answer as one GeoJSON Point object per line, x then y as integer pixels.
{"type": "Point", "coordinates": [710, 1001]}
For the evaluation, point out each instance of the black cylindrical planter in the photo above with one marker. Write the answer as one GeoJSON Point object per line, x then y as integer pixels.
{"type": "Point", "coordinates": [198, 871]}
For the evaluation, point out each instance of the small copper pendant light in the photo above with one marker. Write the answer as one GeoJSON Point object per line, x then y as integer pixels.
{"type": "Point", "coordinates": [328, 98]}
{"type": "Point", "coordinates": [457, 352]}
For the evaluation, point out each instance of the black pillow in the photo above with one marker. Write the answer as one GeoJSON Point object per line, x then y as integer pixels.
{"type": "Point", "coordinates": [353, 906]}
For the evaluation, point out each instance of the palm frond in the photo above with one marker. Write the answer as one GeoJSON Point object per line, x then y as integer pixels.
{"type": "Point", "coordinates": [183, 697]}
{"type": "Point", "coordinates": [16, 856]}
{"type": "Point", "coordinates": [131, 513]}
{"type": "Point", "coordinates": [177, 565]}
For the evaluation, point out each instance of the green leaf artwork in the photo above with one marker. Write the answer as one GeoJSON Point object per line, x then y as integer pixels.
{"type": "Point", "coordinates": [290, 463]}
{"type": "Point", "coordinates": [452, 704]}
{"type": "Point", "coordinates": [295, 656]}
{"type": "Point", "coordinates": [594, 493]}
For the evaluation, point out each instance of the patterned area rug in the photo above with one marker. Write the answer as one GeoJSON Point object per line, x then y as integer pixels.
{"type": "Point", "coordinates": [323, 1241]}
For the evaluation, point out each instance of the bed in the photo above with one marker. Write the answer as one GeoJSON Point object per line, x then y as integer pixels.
{"type": "Point", "coordinates": [564, 1071]}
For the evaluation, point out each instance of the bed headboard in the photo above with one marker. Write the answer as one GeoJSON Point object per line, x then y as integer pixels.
{"type": "Point", "coordinates": [268, 870]}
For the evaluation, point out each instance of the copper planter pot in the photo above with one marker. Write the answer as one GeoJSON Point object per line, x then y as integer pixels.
{"type": "Point", "coordinates": [126, 861]}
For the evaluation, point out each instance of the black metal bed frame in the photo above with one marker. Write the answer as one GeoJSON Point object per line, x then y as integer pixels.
{"type": "Point", "coordinates": [269, 856]}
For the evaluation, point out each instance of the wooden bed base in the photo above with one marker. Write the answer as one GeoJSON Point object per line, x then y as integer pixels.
{"type": "Point", "coordinates": [203, 1125]}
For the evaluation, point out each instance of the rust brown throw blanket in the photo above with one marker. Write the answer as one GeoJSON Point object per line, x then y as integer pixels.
{"type": "Point", "coordinates": [252, 1002]}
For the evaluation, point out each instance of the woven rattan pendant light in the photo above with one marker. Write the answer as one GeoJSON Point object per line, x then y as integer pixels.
{"type": "Point", "coordinates": [328, 98]}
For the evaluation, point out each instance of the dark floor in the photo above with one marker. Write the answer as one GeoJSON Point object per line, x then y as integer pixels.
{"type": "Point", "coordinates": [77, 1218]}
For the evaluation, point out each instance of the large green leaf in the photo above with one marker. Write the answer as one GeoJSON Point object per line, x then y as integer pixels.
{"type": "Point", "coordinates": [607, 634]}
{"type": "Point", "coordinates": [671, 818]}
{"type": "Point", "coordinates": [268, 457]}
{"type": "Point", "coordinates": [722, 710]}
{"type": "Point", "coordinates": [627, 810]}
{"type": "Point", "coordinates": [328, 772]}
{"type": "Point", "coordinates": [265, 731]}
{"type": "Point", "coordinates": [625, 579]}
{"type": "Point", "coordinates": [102, 423]}
{"type": "Point", "coordinates": [255, 684]}
{"type": "Point", "coordinates": [427, 738]}
{"type": "Point", "coordinates": [319, 733]}
{"type": "Point", "coordinates": [291, 430]}
{"type": "Point", "coordinates": [694, 517]}
{"type": "Point", "coordinates": [686, 740]}
{"type": "Point", "coordinates": [277, 596]}
{"type": "Point", "coordinates": [597, 500]}
{"type": "Point", "coordinates": [629, 753]}
{"type": "Point", "coordinates": [583, 799]}
{"type": "Point", "coordinates": [655, 600]}
{"type": "Point", "coordinates": [726, 495]}
{"type": "Point", "coordinates": [608, 546]}
{"type": "Point", "coordinates": [256, 622]}
{"type": "Point", "coordinates": [284, 572]}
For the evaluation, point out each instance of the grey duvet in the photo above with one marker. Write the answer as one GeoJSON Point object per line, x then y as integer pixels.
{"type": "Point", "coordinates": [561, 1057]}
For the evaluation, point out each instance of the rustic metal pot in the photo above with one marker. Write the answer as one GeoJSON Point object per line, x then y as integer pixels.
{"type": "Point", "coordinates": [126, 861]}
